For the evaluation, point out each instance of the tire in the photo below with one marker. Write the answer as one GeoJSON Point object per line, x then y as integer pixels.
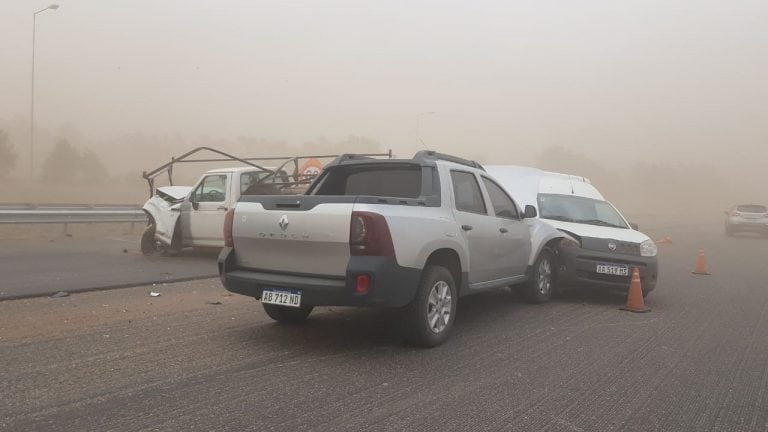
{"type": "Point", "coordinates": [431, 314]}
{"type": "Point", "coordinates": [149, 245]}
{"type": "Point", "coordinates": [541, 284]}
{"type": "Point", "coordinates": [286, 314]}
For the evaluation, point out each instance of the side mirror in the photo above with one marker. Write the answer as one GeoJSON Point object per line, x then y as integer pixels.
{"type": "Point", "coordinates": [634, 226]}
{"type": "Point", "coordinates": [530, 212]}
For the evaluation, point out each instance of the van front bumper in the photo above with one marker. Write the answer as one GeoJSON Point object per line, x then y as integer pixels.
{"type": "Point", "coordinates": [578, 267]}
{"type": "Point", "coordinates": [391, 285]}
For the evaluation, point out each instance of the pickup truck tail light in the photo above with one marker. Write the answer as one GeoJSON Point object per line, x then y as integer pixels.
{"type": "Point", "coordinates": [735, 213]}
{"type": "Point", "coordinates": [229, 220]}
{"type": "Point", "coordinates": [369, 235]}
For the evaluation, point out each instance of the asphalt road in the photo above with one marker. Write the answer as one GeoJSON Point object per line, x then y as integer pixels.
{"type": "Point", "coordinates": [120, 360]}
{"type": "Point", "coordinates": [99, 257]}
{"type": "Point", "coordinates": [42, 266]}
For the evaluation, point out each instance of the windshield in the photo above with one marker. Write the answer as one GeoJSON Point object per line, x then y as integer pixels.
{"type": "Point", "coordinates": [577, 209]}
{"type": "Point", "coordinates": [752, 209]}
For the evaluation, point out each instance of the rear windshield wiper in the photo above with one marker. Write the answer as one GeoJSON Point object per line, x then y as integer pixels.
{"type": "Point", "coordinates": [599, 222]}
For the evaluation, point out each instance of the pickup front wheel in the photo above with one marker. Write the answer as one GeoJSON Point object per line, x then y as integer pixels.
{"type": "Point", "coordinates": [149, 245]}
{"type": "Point", "coordinates": [287, 314]}
{"type": "Point", "coordinates": [432, 312]}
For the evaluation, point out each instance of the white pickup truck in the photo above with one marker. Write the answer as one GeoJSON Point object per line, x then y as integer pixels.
{"type": "Point", "coordinates": [182, 216]}
{"type": "Point", "coordinates": [416, 233]}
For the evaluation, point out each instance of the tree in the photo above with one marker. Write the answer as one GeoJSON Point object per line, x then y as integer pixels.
{"type": "Point", "coordinates": [8, 156]}
{"type": "Point", "coordinates": [62, 164]}
{"type": "Point", "coordinates": [91, 167]}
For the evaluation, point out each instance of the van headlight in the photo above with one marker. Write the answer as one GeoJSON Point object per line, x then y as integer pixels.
{"type": "Point", "coordinates": [568, 242]}
{"type": "Point", "coordinates": [648, 249]}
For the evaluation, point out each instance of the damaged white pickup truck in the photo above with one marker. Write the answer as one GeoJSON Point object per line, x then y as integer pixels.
{"type": "Point", "coordinates": [193, 216]}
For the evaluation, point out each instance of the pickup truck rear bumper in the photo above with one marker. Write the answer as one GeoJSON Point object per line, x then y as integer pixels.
{"type": "Point", "coordinates": [391, 285]}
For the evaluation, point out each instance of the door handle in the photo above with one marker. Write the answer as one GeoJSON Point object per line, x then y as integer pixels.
{"type": "Point", "coordinates": [466, 227]}
{"type": "Point", "coordinates": [503, 230]}
{"type": "Point", "coordinates": [222, 208]}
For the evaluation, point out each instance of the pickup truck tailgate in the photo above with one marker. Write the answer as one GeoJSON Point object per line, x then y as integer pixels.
{"type": "Point", "coordinates": [298, 234]}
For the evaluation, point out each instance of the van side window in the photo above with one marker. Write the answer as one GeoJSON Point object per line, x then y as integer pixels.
{"type": "Point", "coordinates": [467, 194]}
{"type": "Point", "coordinates": [503, 205]}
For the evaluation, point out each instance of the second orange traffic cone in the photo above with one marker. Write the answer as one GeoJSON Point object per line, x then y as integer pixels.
{"type": "Point", "coordinates": [635, 301]}
{"type": "Point", "coordinates": [701, 264]}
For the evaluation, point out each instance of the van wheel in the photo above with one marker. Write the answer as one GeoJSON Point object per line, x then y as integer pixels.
{"type": "Point", "coordinates": [431, 314]}
{"type": "Point", "coordinates": [149, 245]}
{"type": "Point", "coordinates": [287, 314]}
{"type": "Point", "coordinates": [541, 284]}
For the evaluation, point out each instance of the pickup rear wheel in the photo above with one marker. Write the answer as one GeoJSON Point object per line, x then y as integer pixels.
{"type": "Point", "coordinates": [431, 314]}
{"type": "Point", "coordinates": [287, 314]}
{"type": "Point", "coordinates": [541, 284]}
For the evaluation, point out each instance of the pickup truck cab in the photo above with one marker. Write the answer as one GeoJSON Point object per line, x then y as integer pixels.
{"type": "Point", "coordinates": [182, 216]}
{"type": "Point", "coordinates": [416, 234]}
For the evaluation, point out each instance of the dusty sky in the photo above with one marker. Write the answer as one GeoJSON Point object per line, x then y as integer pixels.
{"type": "Point", "coordinates": [654, 79]}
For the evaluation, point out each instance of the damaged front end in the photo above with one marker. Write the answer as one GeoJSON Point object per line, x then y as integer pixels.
{"type": "Point", "coordinates": [163, 210]}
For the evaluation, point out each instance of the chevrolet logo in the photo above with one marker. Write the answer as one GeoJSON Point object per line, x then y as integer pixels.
{"type": "Point", "coordinates": [283, 222]}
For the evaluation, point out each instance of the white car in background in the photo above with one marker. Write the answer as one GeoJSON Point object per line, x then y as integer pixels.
{"type": "Point", "coordinates": [747, 218]}
{"type": "Point", "coordinates": [602, 247]}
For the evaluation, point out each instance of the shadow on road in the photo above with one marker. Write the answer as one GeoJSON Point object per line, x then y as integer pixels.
{"type": "Point", "coordinates": [591, 296]}
{"type": "Point", "coordinates": [337, 329]}
{"type": "Point", "coordinates": [342, 328]}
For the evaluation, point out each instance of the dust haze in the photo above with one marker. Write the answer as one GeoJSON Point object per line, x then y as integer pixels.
{"type": "Point", "coordinates": [661, 103]}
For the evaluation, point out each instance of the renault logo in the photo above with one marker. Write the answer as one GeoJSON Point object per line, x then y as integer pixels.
{"type": "Point", "coordinates": [611, 245]}
{"type": "Point", "coordinates": [283, 222]}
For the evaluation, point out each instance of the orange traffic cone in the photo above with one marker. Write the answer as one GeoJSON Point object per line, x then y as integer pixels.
{"type": "Point", "coordinates": [701, 264]}
{"type": "Point", "coordinates": [665, 240]}
{"type": "Point", "coordinates": [635, 301]}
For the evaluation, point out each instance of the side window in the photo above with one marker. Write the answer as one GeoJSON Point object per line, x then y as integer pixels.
{"type": "Point", "coordinates": [466, 193]}
{"type": "Point", "coordinates": [212, 189]}
{"type": "Point", "coordinates": [502, 203]}
{"type": "Point", "coordinates": [249, 179]}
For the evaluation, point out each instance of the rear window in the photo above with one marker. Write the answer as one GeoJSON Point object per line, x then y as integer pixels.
{"type": "Point", "coordinates": [399, 181]}
{"type": "Point", "coordinates": [752, 209]}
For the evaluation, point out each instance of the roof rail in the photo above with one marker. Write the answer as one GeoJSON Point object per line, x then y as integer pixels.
{"type": "Point", "coordinates": [430, 154]}
{"type": "Point", "coordinates": [351, 157]}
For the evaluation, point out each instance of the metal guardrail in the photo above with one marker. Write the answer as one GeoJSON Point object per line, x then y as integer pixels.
{"type": "Point", "coordinates": [70, 213]}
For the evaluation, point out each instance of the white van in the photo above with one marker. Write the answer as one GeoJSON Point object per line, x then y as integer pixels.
{"type": "Point", "coordinates": [603, 248]}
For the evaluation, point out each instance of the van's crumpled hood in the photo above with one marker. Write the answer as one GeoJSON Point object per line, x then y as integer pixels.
{"type": "Point", "coordinates": [174, 192]}
{"type": "Point", "coordinates": [595, 231]}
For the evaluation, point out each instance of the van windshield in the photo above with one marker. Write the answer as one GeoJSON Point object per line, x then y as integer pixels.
{"type": "Point", "coordinates": [570, 208]}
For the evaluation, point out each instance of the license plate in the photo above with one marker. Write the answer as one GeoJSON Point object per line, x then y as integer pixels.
{"type": "Point", "coordinates": [282, 297]}
{"type": "Point", "coordinates": [612, 269]}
